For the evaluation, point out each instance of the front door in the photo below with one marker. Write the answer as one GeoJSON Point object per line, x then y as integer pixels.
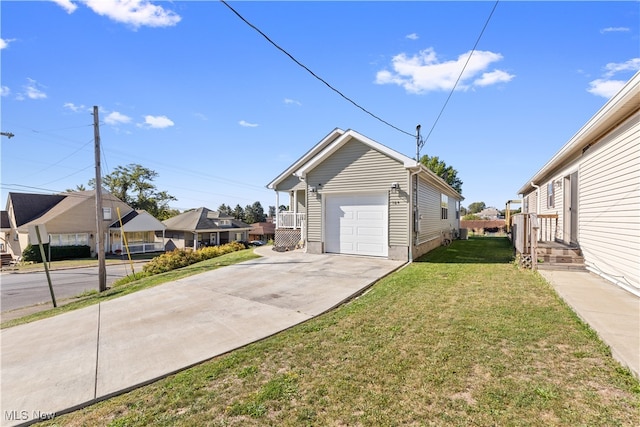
{"type": "Point", "coordinates": [570, 211]}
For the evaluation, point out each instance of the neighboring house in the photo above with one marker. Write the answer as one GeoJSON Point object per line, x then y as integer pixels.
{"type": "Point", "coordinates": [352, 195]}
{"type": "Point", "coordinates": [69, 218]}
{"type": "Point", "coordinates": [140, 231]}
{"type": "Point", "coordinates": [592, 187]}
{"type": "Point", "coordinates": [489, 213]}
{"type": "Point", "coordinates": [264, 231]}
{"type": "Point", "coordinates": [203, 227]}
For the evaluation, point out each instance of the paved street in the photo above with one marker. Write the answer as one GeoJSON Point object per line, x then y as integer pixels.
{"type": "Point", "coordinates": [19, 290]}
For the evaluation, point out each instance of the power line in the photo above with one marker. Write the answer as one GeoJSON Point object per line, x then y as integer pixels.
{"type": "Point", "coordinates": [314, 74]}
{"type": "Point", "coordinates": [461, 72]}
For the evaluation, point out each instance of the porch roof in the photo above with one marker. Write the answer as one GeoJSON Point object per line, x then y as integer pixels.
{"type": "Point", "coordinates": [203, 220]}
{"type": "Point", "coordinates": [139, 220]}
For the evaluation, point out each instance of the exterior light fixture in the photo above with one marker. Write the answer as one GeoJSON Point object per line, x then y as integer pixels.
{"type": "Point", "coordinates": [395, 186]}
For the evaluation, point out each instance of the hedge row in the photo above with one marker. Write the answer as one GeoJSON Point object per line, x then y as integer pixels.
{"type": "Point", "coordinates": [181, 258]}
{"type": "Point", "coordinates": [58, 253]}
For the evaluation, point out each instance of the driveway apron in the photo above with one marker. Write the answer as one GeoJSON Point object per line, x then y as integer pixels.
{"type": "Point", "coordinates": [74, 359]}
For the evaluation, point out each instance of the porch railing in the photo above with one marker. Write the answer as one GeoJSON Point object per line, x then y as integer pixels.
{"type": "Point", "coordinates": [142, 248]}
{"type": "Point", "coordinates": [525, 238]}
{"type": "Point", "coordinates": [291, 220]}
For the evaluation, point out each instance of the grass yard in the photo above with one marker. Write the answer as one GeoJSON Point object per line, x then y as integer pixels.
{"type": "Point", "coordinates": [461, 337]}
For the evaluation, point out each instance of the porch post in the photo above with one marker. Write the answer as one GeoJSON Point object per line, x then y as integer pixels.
{"type": "Point", "coordinates": [277, 208]}
{"type": "Point", "coordinates": [195, 240]}
{"type": "Point", "coordinates": [295, 202]}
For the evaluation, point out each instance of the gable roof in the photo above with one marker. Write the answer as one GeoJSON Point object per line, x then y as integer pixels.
{"type": "Point", "coordinates": [139, 220]}
{"type": "Point", "coordinates": [4, 220]}
{"type": "Point", "coordinates": [338, 138]}
{"type": "Point", "coordinates": [618, 109]}
{"type": "Point", "coordinates": [202, 219]}
{"type": "Point", "coordinates": [67, 203]}
{"type": "Point", "coordinates": [27, 207]}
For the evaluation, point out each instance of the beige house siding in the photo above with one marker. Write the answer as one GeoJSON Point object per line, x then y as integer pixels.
{"type": "Point", "coordinates": [291, 182]}
{"type": "Point", "coordinates": [609, 203]}
{"type": "Point", "coordinates": [429, 212]}
{"type": "Point", "coordinates": [349, 170]}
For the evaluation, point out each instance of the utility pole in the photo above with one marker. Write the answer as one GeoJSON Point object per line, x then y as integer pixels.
{"type": "Point", "coordinates": [102, 268]}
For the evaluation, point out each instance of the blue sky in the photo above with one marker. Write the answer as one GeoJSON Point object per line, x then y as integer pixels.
{"type": "Point", "coordinates": [192, 92]}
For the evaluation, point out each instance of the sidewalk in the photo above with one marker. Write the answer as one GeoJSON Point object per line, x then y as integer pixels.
{"type": "Point", "coordinates": [63, 363]}
{"type": "Point", "coordinates": [610, 311]}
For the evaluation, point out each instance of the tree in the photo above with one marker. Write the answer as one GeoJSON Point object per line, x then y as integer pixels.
{"type": "Point", "coordinates": [254, 213]}
{"type": "Point", "coordinates": [225, 210]}
{"type": "Point", "coordinates": [78, 188]}
{"type": "Point", "coordinates": [476, 207]}
{"type": "Point", "coordinates": [272, 211]}
{"type": "Point", "coordinates": [133, 184]}
{"type": "Point", "coordinates": [440, 168]}
{"type": "Point", "coordinates": [238, 212]}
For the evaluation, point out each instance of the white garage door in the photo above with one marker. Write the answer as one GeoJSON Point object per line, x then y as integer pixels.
{"type": "Point", "coordinates": [356, 224]}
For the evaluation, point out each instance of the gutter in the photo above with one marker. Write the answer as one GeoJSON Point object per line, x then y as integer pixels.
{"type": "Point", "coordinates": [537, 187]}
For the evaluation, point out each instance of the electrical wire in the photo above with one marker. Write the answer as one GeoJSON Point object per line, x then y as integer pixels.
{"type": "Point", "coordinates": [461, 72]}
{"type": "Point", "coordinates": [314, 74]}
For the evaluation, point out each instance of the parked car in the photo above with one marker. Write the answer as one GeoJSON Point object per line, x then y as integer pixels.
{"type": "Point", "coordinates": [256, 243]}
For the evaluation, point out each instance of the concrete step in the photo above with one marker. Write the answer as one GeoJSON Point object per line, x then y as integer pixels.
{"type": "Point", "coordinates": [561, 266]}
{"type": "Point", "coordinates": [561, 259]}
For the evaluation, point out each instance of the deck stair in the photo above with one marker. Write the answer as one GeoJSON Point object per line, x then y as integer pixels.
{"type": "Point", "coordinates": [558, 256]}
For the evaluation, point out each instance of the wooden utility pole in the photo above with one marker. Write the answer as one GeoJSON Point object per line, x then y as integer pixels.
{"type": "Point", "coordinates": [102, 268]}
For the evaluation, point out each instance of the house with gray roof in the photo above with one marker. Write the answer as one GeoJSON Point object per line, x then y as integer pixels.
{"type": "Point", "coordinates": [70, 220]}
{"type": "Point", "coordinates": [203, 227]}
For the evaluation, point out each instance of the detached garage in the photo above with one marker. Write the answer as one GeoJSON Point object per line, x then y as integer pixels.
{"type": "Point", "coordinates": [352, 195]}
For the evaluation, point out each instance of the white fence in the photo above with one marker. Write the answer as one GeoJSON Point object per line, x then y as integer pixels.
{"type": "Point", "coordinates": [291, 220]}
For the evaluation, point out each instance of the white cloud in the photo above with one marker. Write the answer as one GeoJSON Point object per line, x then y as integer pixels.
{"type": "Point", "coordinates": [608, 85]}
{"type": "Point", "coordinates": [246, 124]}
{"type": "Point", "coordinates": [497, 76]}
{"type": "Point", "coordinates": [66, 5]}
{"type": "Point", "coordinates": [614, 30]}
{"type": "Point", "coordinates": [157, 122]}
{"type": "Point", "coordinates": [4, 91]}
{"type": "Point", "coordinates": [412, 36]}
{"type": "Point", "coordinates": [613, 68]}
{"type": "Point", "coordinates": [605, 88]}
{"type": "Point", "coordinates": [4, 43]}
{"type": "Point", "coordinates": [424, 72]}
{"type": "Point", "coordinates": [201, 116]}
{"type": "Point", "coordinates": [32, 90]}
{"type": "Point", "coordinates": [289, 101]}
{"type": "Point", "coordinates": [137, 13]}
{"type": "Point", "coordinates": [73, 107]}
{"type": "Point", "coordinates": [115, 118]}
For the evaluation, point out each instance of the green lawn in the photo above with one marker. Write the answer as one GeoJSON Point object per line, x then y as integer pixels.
{"type": "Point", "coordinates": [461, 337]}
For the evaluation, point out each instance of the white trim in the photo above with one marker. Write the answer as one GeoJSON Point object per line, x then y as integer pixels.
{"type": "Point", "coordinates": [617, 108]}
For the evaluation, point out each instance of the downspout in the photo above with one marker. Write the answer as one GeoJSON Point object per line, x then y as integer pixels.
{"type": "Point", "coordinates": [537, 187]}
{"type": "Point", "coordinates": [412, 211]}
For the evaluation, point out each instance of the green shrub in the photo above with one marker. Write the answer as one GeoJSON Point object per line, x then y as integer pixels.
{"type": "Point", "coordinates": [179, 258]}
{"type": "Point", "coordinates": [58, 253]}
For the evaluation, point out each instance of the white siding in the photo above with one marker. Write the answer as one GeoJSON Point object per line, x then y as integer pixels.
{"type": "Point", "coordinates": [609, 204]}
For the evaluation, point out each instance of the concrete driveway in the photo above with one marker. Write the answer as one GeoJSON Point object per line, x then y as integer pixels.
{"type": "Point", "coordinates": [66, 362]}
